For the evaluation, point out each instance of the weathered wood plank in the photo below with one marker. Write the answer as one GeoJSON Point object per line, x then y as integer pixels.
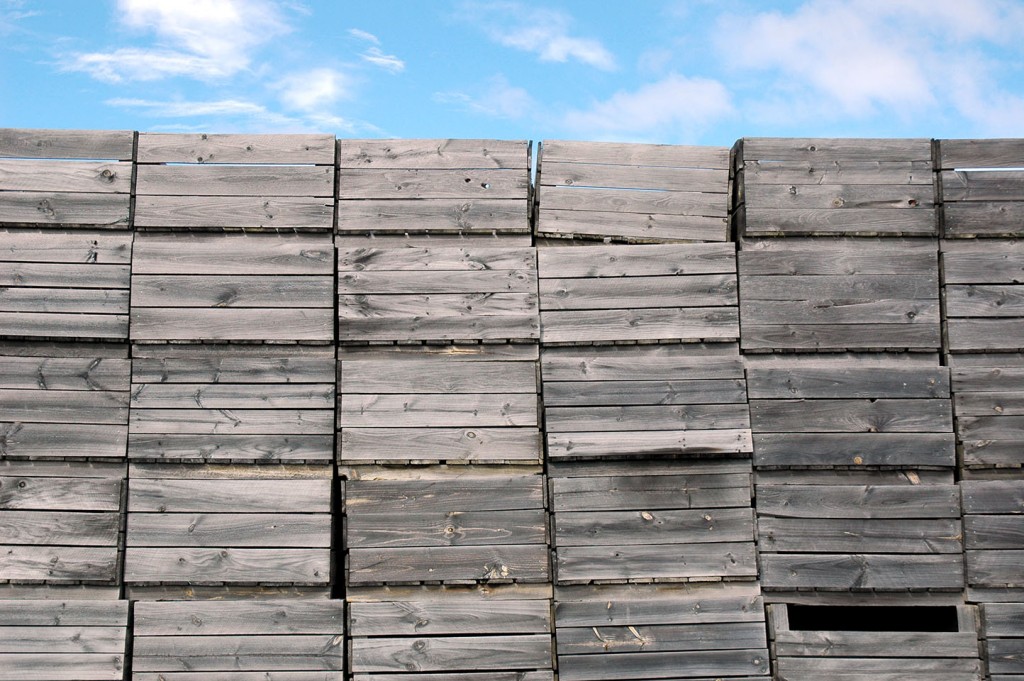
{"type": "Point", "coordinates": [851, 416]}
{"type": "Point", "coordinates": [639, 324]}
{"type": "Point", "coordinates": [632, 176]}
{"type": "Point", "coordinates": [845, 449]}
{"type": "Point", "coordinates": [838, 382]}
{"type": "Point", "coordinates": [848, 221]}
{"type": "Point", "coordinates": [420, 282]}
{"type": "Point", "coordinates": [465, 215]}
{"type": "Point", "coordinates": [638, 292]}
{"type": "Point", "coordinates": [650, 493]}
{"type": "Point", "coordinates": [643, 202]}
{"type": "Point", "coordinates": [472, 493]}
{"type": "Point", "coordinates": [454, 528]}
{"type": "Point", "coordinates": [994, 532]}
{"type": "Point", "coordinates": [978, 218]}
{"type": "Point", "coordinates": [65, 275]}
{"type": "Point", "coordinates": [453, 444]}
{"type": "Point", "coordinates": [821, 150]}
{"type": "Point", "coordinates": [841, 311]}
{"type": "Point", "coordinates": [657, 155]}
{"type": "Point", "coordinates": [439, 653]}
{"type": "Point", "coordinates": [233, 396]}
{"type": "Point", "coordinates": [59, 494]}
{"type": "Point", "coordinates": [212, 618]}
{"type": "Point", "coordinates": [453, 410]}
{"type": "Point", "coordinates": [840, 197]}
{"type": "Point", "coordinates": [237, 653]}
{"type": "Point", "coordinates": [626, 261]}
{"type": "Point", "coordinates": [66, 144]}
{"type": "Point", "coordinates": [862, 287]}
{"type": "Point", "coordinates": [600, 444]}
{"type": "Point", "coordinates": [657, 417]}
{"type": "Point", "coordinates": [639, 363]}
{"type": "Point", "coordinates": [993, 496]}
{"type": "Point", "coordinates": [981, 153]}
{"type": "Point", "coordinates": [433, 153]}
{"type": "Point", "coordinates": [430, 375]}
{"type": "Point", "coordinates": [837, 171]}
{"type": "Point", "coordinates": [454, 328]}
{"type": "Point", "coordinates": [862, 571]}
{"type": "Point", "coordinates": [216, 254]}
{"type": "Point", "coordinates": [67, 209]}
{"type": "Point", "coordinates": [61, 300]}
{"type": "Point", "coordinates": [235, 148]}
{"type": "Point", "coordinates": [663, 665]}
{"type": "Point", "coordinates": [214, 565]}
{"type": "Point", "coordinates": [623, 528]}
{"type": "Point", "coordinates": [995, 568]}
{"type": "Point", "coordinates": [528, 563]}
{"type": "Point", "coordinates": [59, 439]}
{"type": "Point", "coordinates": [206, 447]}
{"type": "Point", "coordinates": [657, 604]}
{"type": "Point", "coordinates": [839, 257]}
{"type": "Point", "coordinates": [64, 374]}
{"type": "Point", "coordinates": [639, 227]}
{"type": "Point", "coordinates": [449, 616]}
{"type": "Point", "coordinates": [71, 667]}
{"type": "Point", "coordinates": [312, 324]}
{"type": "Point", "coordinates": [234, 180]}
{"type": "Point", "coordinates": [231, 291]}
{"type": "Point", "coordinates": [59, 564]}
{"type": "Point", "coordinates": [846, 535]}
{"type": "Point", "coordinates": [661, 638]}
{"type": "Point", "coordinates": [863, 644]}
{"type": "Point", "coordinates": [920, 336]}
{"type": "Point", "coordinates": [257, 212]}
{"type": "Point", "coordinates": [59, 528]}
{"type": "Point", "coordinates": [61, 176]}
{"type": "Point", "coordinates": [229, 369]}
{"type": "Point", "coordinates": [858, 501]}
{"type": "Point", "coordinates": [168, 495]}
{"type": "Point", "coordinates": [417, 183]}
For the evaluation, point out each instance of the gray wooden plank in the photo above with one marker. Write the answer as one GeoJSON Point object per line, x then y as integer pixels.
{"type": "Point", "coordinates": [978, 218]}
{"type": "Point", "coordinates": [233, 291]}
{"type": "Point", "coordinates": [310, 324]}
{"type": "Point", "coordinates": [65, 275]}
{"type": "Point", "coordinates": [452, 328]}
{"type": "Point", "coordinates": [920, 336]}
{"type": "Point", "coordinates": [60, 373]}
{"type": "Point", "coordinates": [842, 311]}
{"type": "Point", "coordinates": [454, 528]}
{"type": "Point", "coordinates": [78, 246]}
{"type": "Point", "coordinates": [238, 653]}
{"type": "Point", "coordinates": [421, 282]}
{"type": "Point", "coordinates": [663, 155]}
{"type": "Point", "coordinates": [840, 197]}
{"type": "Point", "coordinates": [419, 183]}
{"type": "Point", "coordinates": [1006, 656]}
{"type": "Point", "coordinates": [297, 530]}
{"type": "Point", "coordinates": [462, 215]}
{"type": "Point", "coordinates": [663, 665]}
{"type": "Point", "coordinates": [59, 494]}
{"type": "Point", "coordinates": [623, 528]}
{"type": "Point", "coordinates": [64, 208]}
{"type": "Point", "coordinates": [214, 565]}
{"type": "Point", "coordinates": [72, 667]}
{"type": "Point", "coordinates": [228, 254]}
{"type": "Point", "coordinates": [168, 495]}
{"type": "Point", "coordinates": [879, 669]}
{"type": "Point", "coordinates": [216, 421]}
{"type": "Point", "coordinates": [984, 300]}
{"type": "Point", "coordinates": [845, 149]}
{"type": "Point", "coordinates": [206, 447]}
{"type": "Point", "coordinates": [846, 416]}
{"type": "Point", "coordinates": [58, 439]}
{"type": "Point", "coordinates": [59, 564]}
{"type": "Point", "coordinates": [406, 307]}
{"type": "Point", "coordinates": [644, 202]}
{"type": "Point", "coordinates": [451, 653]}
{"type": "Point", "coordinates": [452, 444]}
{"type": "Point", "coordinates": [661, 638]}
{"type": "Point", "coordinates": [848, 221]}
{"type": "Point", "coordinates": [619, 393]}
{"type": "Point", "coordinates": [844, 449]}
{"type": "Point", "coordinates": [990, 427]}
{"type": "Point", "coordinates": [989, 404]}
{"type": "Point", "coordinates": [846, 535]}
{"type": "Point", "coordinates": [634, 176]}
{"type": "Point", "coordinates": [861, 571]}
{"type": "Point", "coordinates": [257, 212]}
{"type": "Point", "coordinates": [995, 568]}
{"type": "Point", "coordinates": [896, 644]}
{"type": "Point", "coordinates": [235, 148]}
{"type": "Point", "coordinates": [978, 263]}
{"type": "Point", "coordinates": [473, 493]}
{"type": "Point", "coordinates": [228, 369]}
{"type": "Point", "coordinates": [59, 528]}
{"type": "Point", "coordinates": [212, 618]}
{"type": "Point", "coordinates": [638, 260]}
{"type": "Point", "coordinates": [64, 612]}
{"type": "Point", "coordinates": [432, 153]}
{"type": "Point", "coordinates": [638, 292]}
{"type": "Point", "coordinates": [79, 300]}
{"type": "Point", "coordinates": [60, 176]}
{"type": "Point", "coordinates": [998, 377]}
{"type": "Point", "coordinates": [232, 396]}
{"type": "Point", "coordinates": [639, 227]}
{"type": "Point", "coordinates": [863, 287]}
{"type": "Point", "coordinates": [448, 616]}
{"type": "Point", "coordinates": [461, 676]}
{"type": "Point", "coordinates": [67, 144]}
{"type": "Point", "coordinates": [650, 493]}
{"type": "Point", "coordinates": [639, 443]}
{"type": "Point", "coordinates": [798, 256]}
{"type": "Point", "coordinates": [425, 258]}
{"type": "Point", "coordinates": [431, 375]}
{"type": "Point", "coordinates": [642, 363]}
{"type": "Point", "coordinates": [639, 324]}
{"type": "Point", "coordinates": [64, 325]}
{"type": "Point", "coordinates": [858, 501]}
{"type": "Point", "coordinates": [527, 563]}
{"type": "Point", "coordinates": [421, 411]}
{"type": "Point", "coordinates": [994, 532]}
{"type": "Point", "coordinates": [993, 496]}
{"type": "Point", "coordinates": [1002, 619]}
{"type": "Point", "coordinates": [657, 417]}
{"type": "Point", "coordinates": [655, 604]}
{"type": "Point", "coordinates": [982, 185]}
{"type": "Point", "coordinates": [841, 382]}
{"type": "Point", "coordinates": [62, 640]}
{"type": "Point", "coordinates": [234, 180]}
{"type": "Point", "coordinates": [837, 171]}
{"type": "Point", "coordinates": [981, 153]}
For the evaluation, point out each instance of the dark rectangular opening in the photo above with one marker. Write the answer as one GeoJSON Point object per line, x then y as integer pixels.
{"type": "Point", "coordinates": [873, 618]}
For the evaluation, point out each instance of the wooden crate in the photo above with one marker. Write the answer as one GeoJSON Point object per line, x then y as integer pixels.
{"type": "Point", "coordinates": [422, 293]}
{"type": "Point", "coordinates": [445, 524]}
{"type": "Point", "coordinates": [235, 182]}
{"type": "Point", "coordinates": [988, 391]}
{"type": "Point", "coordinates": [994, 532]}
{"type": "Point", "coordinates": [982, 187]}
{"type": "Point", "coordinates": [859, 531]}
{"type": "Point", "coordinates": [850, 410]}
{"type": "Point", "coordinates": [652, 521]}
{"type": "Point", "coordinates": [66, 178]}
{"type": "Point", "coordinates": [227, 526]}
{"type": "Point", "coordinates": [62, 640]}
{"type": "Point", "coordinates": [803, 654]}
{"type": "Point", "coordinates": [984, 296]}
{"type": "Point", "coordinates": [230, 287]}
{"type": "Point", "coordinates": [64, 400]}
{"type": "Point", "coordinates": [278, 639]}
{"type": "Point", "coordinates": [652, 193]}
{"type": "Point", "coordinates": [849, 187]}
{"type": "Point", "coordinates": [453, 404]}
{"type": "Point", "coordinates": [495, 633]}
{"type": "Point", "coordinates": [60, 524]}
{"type": "Point", "coordinates": [218, 403]}
{"type": "Point", "coordinates": [680, 631]}
{"type": "Point", "coordinates": [669, 292]}
{"type": "Point", "coordinates": [1003, 629]}
{"type": "Point", "coordinates": [827, 294]}
{"type": "Point", "coordinates": [433, 187]}
{"type": "Point", "coordinates": [610, 401]}
{"type": "Point", "coordinates": [64, 284]}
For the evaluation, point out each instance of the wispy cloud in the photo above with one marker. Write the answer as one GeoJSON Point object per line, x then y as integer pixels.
{"type": "Point", "coordinates": [188, 109]}
{"type": "Point", "coordinates": [544, 32]}
{"type": "Point", "coordinates": [313, 90]}
{"type": "Point", "coordinates": [194, 38]}
{"type": "Point", "coordinates": [497, 98]}
{"type": "Point", "coordinates": [675, 108]}
{"type": "Point", "coordinates": [364, 35]}
{"type": "Point", "coordinates": [388, 62]}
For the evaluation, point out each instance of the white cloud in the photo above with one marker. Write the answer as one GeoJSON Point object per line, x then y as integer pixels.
{"type": "Point", "coordinates": [497, 98]}
{"type": "Point", "coordinates": [195, 38]}
{"type": "Point", "coordinates": [674, 108]}
{"type": "Point", "coordinates": [312, 91]}
{"type": "Point", "coordinates": [388, 62]}
{"type": "Point", "coordinates": [187, 109]}
{"type": "Point", "coordinates": [364, 35]}
{"type": "Point", "coordinates": [544, 32]}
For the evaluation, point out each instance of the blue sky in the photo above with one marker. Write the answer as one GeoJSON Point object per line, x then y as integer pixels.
{"type": "Point", "coordinates": [671, 71]}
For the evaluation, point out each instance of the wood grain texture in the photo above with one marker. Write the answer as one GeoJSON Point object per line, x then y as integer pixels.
{"type": "Point", "coordinates": [66, 144]}
{"type": "Point", "coordinates": [227, 212]}
{"type": "Point", "coordinates": [463, 215]}
{"type": "Point", "coordinates": [235, 148]}
{"type": "Point", "coordinates": [60, 176]}
{"type": "Point", "coordinates": [65, 209]}
{"type": "Point", "coordinates": [433, 154]}
{"type": "Point", "coordinates": [230, 254]}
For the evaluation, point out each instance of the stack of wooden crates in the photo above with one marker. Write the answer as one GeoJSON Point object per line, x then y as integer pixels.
{"type": "Point", "coordinates": [64, 389]}
{"type": "Point", "coordinates": [647, 426]}
{"type": "Point", "coordinates": [858, 513]}
{"type": "Point", "coordinates": [981, 186]}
